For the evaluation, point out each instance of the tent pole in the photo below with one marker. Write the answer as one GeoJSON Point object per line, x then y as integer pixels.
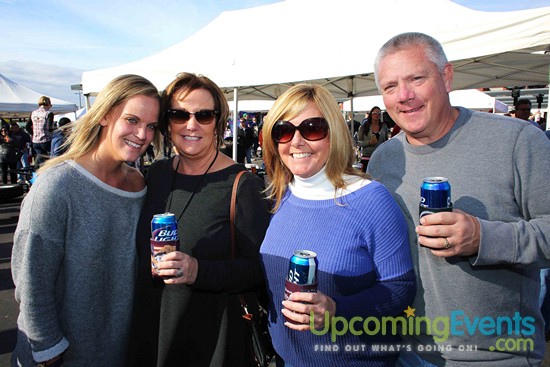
{"type": "Point", "coordinates": [352, 116]}
{"type": "Point", "coordinates": [351, 93]}
{"type": "Point", "coordinates": [235, 117]}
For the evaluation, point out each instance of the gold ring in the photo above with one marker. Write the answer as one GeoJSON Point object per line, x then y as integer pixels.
{"type": "Point", "coordinates": [447, 244]}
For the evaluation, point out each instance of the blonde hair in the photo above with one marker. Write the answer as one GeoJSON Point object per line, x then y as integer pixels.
{"type": "Point", "coordinates": [44, 101]}
{"type": "Point", "coordinates": [186, 83]}
{"type": "Point", "coordinates": [85, 131]}
{"type": "Point", "coordinates": [341, 155]}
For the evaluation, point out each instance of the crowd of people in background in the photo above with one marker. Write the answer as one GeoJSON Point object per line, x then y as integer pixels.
{"type": "Point", "coordinates": [82, 257]}
{"type": "Point", "coordinates": [41, 138]}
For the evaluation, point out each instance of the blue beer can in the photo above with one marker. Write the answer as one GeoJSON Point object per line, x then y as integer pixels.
{"type": "Point", "coordinates": [164, 239]}
{"type": "Point", "coordinates": [302, 273]}
{"type": "Point", "coordinates": [164, 227]}
{"type": "Point", "coordinates": [435, 196]}
{"type": "Point", "coordinates": [302, 269]}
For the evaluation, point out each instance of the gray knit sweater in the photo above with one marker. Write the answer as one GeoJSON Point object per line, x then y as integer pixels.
{"type": "Point", "coordinates": [74, 266]}
{"type": "Point", "coordinates": [499, 172]}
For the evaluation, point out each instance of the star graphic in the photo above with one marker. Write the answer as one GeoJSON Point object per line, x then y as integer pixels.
{"type": "Point", "coordinates": [409, 311]}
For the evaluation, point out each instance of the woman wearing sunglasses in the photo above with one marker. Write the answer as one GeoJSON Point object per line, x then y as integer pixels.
{"type": "Point", "coordinates": [191, 316]}
{"type": "Point", "coordinates": [322, 204]}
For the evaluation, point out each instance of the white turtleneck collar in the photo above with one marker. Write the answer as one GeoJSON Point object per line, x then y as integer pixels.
{"type": "Point", "coordinates": [318, 186]}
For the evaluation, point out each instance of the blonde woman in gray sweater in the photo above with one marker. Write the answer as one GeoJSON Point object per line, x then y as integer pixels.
{"type": "Point", "coordinates": [74, 254]}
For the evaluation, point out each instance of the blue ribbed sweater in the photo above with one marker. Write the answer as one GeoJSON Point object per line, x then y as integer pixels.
{"type": "Point", "coordinates": [364, 265]}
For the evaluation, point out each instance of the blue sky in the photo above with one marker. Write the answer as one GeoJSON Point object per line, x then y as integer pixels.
{"type": "Point", "coordinates": [46, 46]}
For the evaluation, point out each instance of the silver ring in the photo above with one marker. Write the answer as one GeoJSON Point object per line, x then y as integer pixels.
{"type": "Point", "coordinates": [447, 244]}
{"type": "Point", "coordinates": [179, 273]}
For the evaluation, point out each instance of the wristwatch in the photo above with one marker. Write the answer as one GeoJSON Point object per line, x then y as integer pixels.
{"type": "Point", "coordinates": [54, 362]}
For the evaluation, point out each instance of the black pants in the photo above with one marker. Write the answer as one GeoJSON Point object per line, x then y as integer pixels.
{"type": "Point", "coordinates": [13, 175]}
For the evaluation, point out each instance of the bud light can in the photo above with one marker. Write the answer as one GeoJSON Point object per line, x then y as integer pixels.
{"type": "Point", "coordinates": [302, 273]}
{"type": "Point", "coordinates": [435, 196]}
{"type": "Point", "coordinates": [164, 238]}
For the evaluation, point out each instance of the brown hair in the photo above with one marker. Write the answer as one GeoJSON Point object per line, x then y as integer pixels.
{"type": "Point", "coordinates": [185, 83]}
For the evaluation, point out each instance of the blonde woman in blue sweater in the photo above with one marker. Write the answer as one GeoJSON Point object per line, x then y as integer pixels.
{"type": "Point", "coordinates": [322, 204]}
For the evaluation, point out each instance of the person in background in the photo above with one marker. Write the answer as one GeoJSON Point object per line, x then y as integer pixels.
{"type": "Point", "coordinates": [523, 111]}
{"type": "Point", "coordinates": [192, 316]}
{"type": "Point", "coordinates": [74, 255]}
{"type": "Point", "coordinates": [8, 155]}
{"type": "Point", "coordinates": [59, 137]}
{"type": "Point", "coordinates": [539, 119]}
{"type": "Point", "coordinates": [246, 138]}
{"type": "Point", "coordinates": [42, 127]}
{"type": "Point", "coordinates": [351, 121]}
{"type": "Point", "coordinates": [323, 204]}
{"type": "Point", "coordinates": [22, 141]}
{"type": "Point", "coordinates": [261, 142]}
{"type": "Point", "coordinates": [371, 134]}
{"type": "Point", "coordinates": [481, 260]}
{"type": "Point", "coordinates": [241, 140]}
{"type": "Point", "coordinates": [255, 131]}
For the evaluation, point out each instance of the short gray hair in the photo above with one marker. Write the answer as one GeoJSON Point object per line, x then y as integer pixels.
{"type": "Point", "coordinates": [432, 48]}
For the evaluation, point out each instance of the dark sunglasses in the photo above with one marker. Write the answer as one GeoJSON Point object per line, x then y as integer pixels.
{"type": "Point", "coordinates": [204, 117]}
{"type": "Point", "coordinates": [312, 129]}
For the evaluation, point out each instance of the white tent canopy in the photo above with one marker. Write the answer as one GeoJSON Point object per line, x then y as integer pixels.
{"type": "Point", "coordinates": [469, 98]}
{"type": "Point", "coordinates": [19, 101]}
{"type": "Point", "coordinates": [329, 42]}
{"type": "Point", "coordinates": [252, 105]}
{"type": "Point", "coordinates": [477, 100]}
{"type": "Point", "coordinates": [73, 116]}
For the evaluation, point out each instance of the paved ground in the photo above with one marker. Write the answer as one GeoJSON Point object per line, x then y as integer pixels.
{"type": "Point", "coordinates": [9, 214]}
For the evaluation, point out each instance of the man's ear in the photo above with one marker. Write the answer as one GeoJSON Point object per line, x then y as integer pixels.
{"type": "Point", "coordinates": [448, 74]}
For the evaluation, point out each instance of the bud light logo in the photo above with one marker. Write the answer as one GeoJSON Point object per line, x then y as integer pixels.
{"type": "Point", "coordinates": [163, 234]}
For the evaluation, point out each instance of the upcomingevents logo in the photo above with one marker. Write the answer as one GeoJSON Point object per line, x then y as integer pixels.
{"type": "Point", "coordinates": [512, 333]}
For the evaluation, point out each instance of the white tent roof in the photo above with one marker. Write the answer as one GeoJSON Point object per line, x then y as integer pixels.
{"type": "Point", "coordinates": [73, 116]}
{"type": "Point", "coordinates": [252, 105]}
{"type": "Point", "coordinates": [469, 98]}
{"type": "Point", "coordinates": [477, 100]}
{"type": "Point", "coordinates": [334, 43]}
{"type": "Point", "coordinates": [19, 101]}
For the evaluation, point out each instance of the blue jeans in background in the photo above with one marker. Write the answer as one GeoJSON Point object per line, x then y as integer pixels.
{"type": "Point", "coordinates": [544, 298]}
{"type": "Point", "coordinates": [42, 152]}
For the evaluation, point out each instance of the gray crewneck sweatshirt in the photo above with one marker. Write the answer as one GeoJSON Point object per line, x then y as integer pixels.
{"type": "Point", "coordinates": [74, 266]}
{"type": "Point", "coordinates": [498, 171]}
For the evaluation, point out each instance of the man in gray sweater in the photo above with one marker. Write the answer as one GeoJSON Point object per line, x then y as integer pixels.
{"type": "Point", "coordinates": [477, 267]}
